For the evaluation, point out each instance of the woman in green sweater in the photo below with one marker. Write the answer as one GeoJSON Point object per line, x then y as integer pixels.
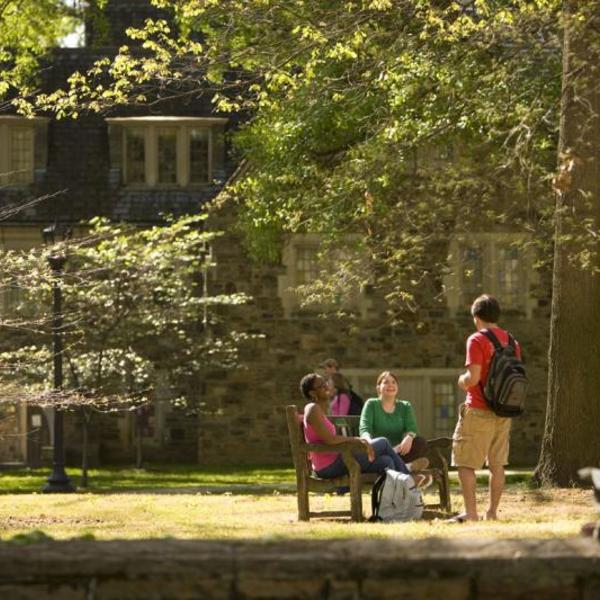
{"type": "Point", "coordinates": [386, 416]}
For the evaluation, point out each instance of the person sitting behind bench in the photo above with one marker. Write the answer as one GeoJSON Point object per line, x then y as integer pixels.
{"type": "Point", "coordinates": [318, 429]}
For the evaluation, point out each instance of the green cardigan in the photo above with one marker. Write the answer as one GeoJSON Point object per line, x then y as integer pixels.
{"type": "Point", "coordinates": [393, 426]}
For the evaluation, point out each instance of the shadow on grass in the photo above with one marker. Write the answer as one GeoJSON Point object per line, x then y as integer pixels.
{"type": "Point", "coordinates": [193, 479]}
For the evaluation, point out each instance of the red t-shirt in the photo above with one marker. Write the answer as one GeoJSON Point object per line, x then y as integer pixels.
{"type": "Point", "coordinates": [479, 352]}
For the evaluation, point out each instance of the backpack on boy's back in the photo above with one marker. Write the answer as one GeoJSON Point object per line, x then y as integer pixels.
{"type": "Point", "coordinates": [505, 389]}
{"type": "Point", "coordinates": [395, 497]}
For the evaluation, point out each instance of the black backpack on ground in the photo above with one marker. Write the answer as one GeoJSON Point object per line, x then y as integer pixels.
{"type": "Point", "coordinates": [506, 387]}
{"type": "Point", "coordinates": [356, 403]}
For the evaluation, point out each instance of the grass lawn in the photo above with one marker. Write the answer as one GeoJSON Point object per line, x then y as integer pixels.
{"type": "Point", "coordinates": [120, 479]}
{"type": "Point", "coordinates": [123, 505]}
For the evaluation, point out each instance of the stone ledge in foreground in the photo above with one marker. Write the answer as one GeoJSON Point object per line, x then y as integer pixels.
{"type": "Point", "coordinates": [327, 570]}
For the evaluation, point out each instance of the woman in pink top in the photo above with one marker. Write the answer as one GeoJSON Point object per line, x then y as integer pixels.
{"type": "Point", "coordinates": [318, 429]}
{"type": "Point", "coordinates": [340, 405]}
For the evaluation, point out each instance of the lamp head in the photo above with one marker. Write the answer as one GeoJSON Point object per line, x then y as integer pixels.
{"type": "Point", "coordinates": [49, 235]}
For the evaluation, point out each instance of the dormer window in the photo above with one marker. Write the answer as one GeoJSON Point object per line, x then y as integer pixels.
{"type": "Point", "coordinates": [22, 149]}
{"type": "Point", "coordinates": [167, 151]}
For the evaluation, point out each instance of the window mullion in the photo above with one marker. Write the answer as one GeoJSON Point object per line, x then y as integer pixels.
{"type": "Point", "coordinates": [210, 154]}
{"type": "Point", "coordinates": [5, 151]}
{"type": "Point", "coordinates": [151, 155]}
{"type": "Point", "coordinates": [183, 156]}
{"type": "Point", "coordinates": [124, 165]}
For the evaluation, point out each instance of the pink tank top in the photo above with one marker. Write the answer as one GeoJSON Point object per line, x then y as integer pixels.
{"type": "Point", "coordinates": [319, 460]}
{"type": "Point", "coordinates": [340, 405]}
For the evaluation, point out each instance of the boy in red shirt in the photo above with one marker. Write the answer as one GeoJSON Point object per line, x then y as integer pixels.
{"type": "Point", "coordinates": [480, 435]}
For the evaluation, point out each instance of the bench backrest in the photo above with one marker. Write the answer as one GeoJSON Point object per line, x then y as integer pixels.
{"type": "Point", "coordinates": [347, 425]}
{"type": "Point", "coordinates": [295, 423]}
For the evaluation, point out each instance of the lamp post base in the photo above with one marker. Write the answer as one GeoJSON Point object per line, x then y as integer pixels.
{"type": "Point", "coordinates": [58, 483]}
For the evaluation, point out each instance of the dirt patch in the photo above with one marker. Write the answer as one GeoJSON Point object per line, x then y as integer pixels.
{"type": "Point", "coordinates": [45, 520]}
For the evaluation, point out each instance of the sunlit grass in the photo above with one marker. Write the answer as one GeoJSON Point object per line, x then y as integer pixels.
{"type": "Point", "coordinates": [525, 513]}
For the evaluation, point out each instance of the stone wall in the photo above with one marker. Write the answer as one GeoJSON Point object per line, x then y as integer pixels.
{"type": "Point", "coordinates": [244, 420]}
{"type": "Point", "coordinates": [350, 569]}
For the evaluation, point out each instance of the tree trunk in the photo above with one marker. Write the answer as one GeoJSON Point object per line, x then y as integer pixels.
{"type": "Point", "coordinates": [572, 430]}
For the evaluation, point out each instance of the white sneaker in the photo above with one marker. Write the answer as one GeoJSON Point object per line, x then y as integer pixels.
{"type": "Point", "coordinates": [423, 481]}
{"type": "Point", "coordinates": [419, 464]}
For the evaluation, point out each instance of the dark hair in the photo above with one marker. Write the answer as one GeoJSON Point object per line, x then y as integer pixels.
{"type": "Point", "coordinates": [331, 363]}
{"type": "Point", "coordinates": [384, 374]}
{"type": "Point", "coordinates": [307, 384]}
{"type": "Point", "coordinates": [339, 382]}
{"type": "Point", "coordinates": [486, 307]}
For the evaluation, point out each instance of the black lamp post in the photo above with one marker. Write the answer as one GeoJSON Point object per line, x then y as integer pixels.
{"type": "Point", "coordinates": [59, 480]}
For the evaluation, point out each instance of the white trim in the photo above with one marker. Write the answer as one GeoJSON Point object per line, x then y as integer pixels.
{"type": "Point", "coordinates": [151, 126]}
{"type": "Point", "coordinates": [186, 121]}
{"type": "Point", "coordinates": [16, 120]}
{"type": "Point", "coordinates": [405, 372]}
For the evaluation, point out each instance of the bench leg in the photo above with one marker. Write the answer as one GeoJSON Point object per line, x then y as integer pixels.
{"type": "Point", "coordinates": [302, 493]}
{"type": "Point", "coordinates": [356, 496]}
{"type": "Point", "coordinates": [303, 507]}
{"type": "Point", "coordinates": [445, 501]}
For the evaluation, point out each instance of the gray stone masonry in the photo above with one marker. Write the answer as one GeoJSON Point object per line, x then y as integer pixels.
{"type": "Point", "coordinates": [328, 570]}
{"type": "Point", "coordinates": [243, 416]}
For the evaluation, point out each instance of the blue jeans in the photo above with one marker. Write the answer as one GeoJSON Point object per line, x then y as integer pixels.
{"type": "Point", "coordinates": [385, 458]}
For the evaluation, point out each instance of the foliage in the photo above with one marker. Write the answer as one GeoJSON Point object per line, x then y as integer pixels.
{"type": "Point", "coordinates": [132, 305]}
{"type": "Point", "coordinates": [28, 29]}
{"type": "Point", "coordinates": [386, 126]}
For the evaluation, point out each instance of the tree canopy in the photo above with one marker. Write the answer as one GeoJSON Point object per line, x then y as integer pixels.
{"type": "Point", "coordinates": [28, 29]}
{"type": "Point", "coordinates": [383, 125]}
{"type": "Point", "coordinates": [133, 303]}
{"type": "Point", "coordinates": [388, 126]}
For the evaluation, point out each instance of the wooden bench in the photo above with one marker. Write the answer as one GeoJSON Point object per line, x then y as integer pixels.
{"type": "Point", "coordinates": [438, 465]}
{"type": "Point", "coordinates": [307, 482]}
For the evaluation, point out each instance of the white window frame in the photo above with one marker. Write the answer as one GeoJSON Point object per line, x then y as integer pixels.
{"type": "Point", "coordinates": [151, 127]}
{"type": "Point", "coordinates": [489, 242]}
{"type": "Point", "coordinates": [8, 124]}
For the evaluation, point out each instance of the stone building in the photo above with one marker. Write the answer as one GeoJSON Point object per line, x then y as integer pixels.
{"type": "Point", "coordinates": [135, 165]}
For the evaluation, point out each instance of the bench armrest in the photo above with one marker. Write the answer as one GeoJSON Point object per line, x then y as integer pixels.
{"type": "Point", "coordinates": [352, 445]}
{"type": "Point", "coordinates": [441, 442]}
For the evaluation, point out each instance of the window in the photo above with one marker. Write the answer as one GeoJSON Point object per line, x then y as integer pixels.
{"type": "Point", "coordinates": [303, 266]}
{"type": "Point", "coordinates": [13, 426]}
{"type": "Point", "coordinates": [306, 264]}
{"type": "Point", "coordinates": [496, 263]}
{"type": "Point", "coordinates": [20, 239]}
{"type": "Point", "coordinates": [167, 151]}
{"type": "Point", "coordinates": [17, 149]}
{"type": "Point", "coordinates": [444, 406]}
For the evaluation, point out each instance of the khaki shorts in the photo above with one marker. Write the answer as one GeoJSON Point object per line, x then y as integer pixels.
{"type": "Point", "coordinates": [480, 437]}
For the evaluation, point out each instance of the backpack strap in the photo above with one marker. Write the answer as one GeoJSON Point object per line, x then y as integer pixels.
{"type": "Point", "coordinates": [376, 495]}
{"type": "Point", "coordinates": [490, 335]}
